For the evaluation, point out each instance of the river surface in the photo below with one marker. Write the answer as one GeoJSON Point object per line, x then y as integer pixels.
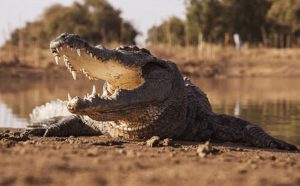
{"type": "Point", "coordinates": [273, 104]}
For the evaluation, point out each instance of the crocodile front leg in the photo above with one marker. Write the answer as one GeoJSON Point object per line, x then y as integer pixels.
{"type": "Point", "coordinates": [62, 126]}
{"type": "Point", "coordinates": [229, 128]}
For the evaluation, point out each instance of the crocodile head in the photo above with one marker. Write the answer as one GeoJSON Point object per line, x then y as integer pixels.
{"type": "Point", "coordinates": [120, 67]}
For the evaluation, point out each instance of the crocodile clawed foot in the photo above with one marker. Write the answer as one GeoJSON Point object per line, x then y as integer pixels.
{"type": "Point", "coordinates": [36, 131]}
{"type": "Point", "coordinates": [278, 144]}
{"type": "Point", "coordinates": [45, 132]}
{"type": "Point", "coordinates": [63, 126]}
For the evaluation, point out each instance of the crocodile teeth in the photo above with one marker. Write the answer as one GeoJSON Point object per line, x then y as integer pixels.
{"type": "Point", "coordinates": [66, 58]}
{"type": "Point", "coordinates": [57, 50]}
{"type": "Point", "coordinates": [91, 55]}
{"type": "Point", "coordinates": [85, 72]}
{"type": "Point", "coordinates": [73, 75]}
{"type": "Point", "coordinates": [69, 97]}
{"type": "Point", "coordinates": [56, 58]}
{"type": "Point", "coordinates": [94, 90]}
{"type": "Point", "coordinates": [78, 52]}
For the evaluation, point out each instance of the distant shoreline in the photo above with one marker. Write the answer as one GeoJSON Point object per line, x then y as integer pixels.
{"type": "Point", "coordinates": [209, 61]}
{"type": "Point", "coordinates": [190, 69]}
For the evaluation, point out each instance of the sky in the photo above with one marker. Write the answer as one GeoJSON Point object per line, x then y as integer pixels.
{"type": "Point", "coordinates": [142, 13]}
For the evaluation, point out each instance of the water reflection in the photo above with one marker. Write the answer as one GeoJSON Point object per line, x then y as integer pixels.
{"type": "Point", "coordinates": [9, 119]}
{"type": "Point", "coordinates": [23, 95]}
{"type": "Point", "coordinates": [272, 103]}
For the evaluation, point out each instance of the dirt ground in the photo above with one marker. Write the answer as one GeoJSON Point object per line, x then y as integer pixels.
{"type": "Point", "coordinates": [26, 160]}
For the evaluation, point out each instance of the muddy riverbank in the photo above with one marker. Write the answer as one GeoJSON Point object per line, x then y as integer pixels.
{"type": "Point", "coordinates": [105, 161]}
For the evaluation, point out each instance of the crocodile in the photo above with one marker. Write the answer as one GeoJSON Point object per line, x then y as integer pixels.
{"type": "Point", "coordinates": [143, 96]}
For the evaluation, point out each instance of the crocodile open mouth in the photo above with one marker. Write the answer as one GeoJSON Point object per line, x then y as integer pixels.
{"type": "Point", "coordinates": [121, 68]}
{"type": "Point", "coordinates": [83, 60]}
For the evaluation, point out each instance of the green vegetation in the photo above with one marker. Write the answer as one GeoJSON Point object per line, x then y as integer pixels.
{"type": "Point", "coordinates": [272, 23]}
{"type": "Point", "coordinates": [170, 31]}
{"type": "Point", "coordinates": [268, 23]}
{"type": "Point", "coordinates": [94, 20]}
{"type": "Point", "coordinates": [285, 18]}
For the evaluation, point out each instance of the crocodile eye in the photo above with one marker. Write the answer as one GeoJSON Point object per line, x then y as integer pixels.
{"type": "Point", "coordinates": [64, 35]}
{"type": "Point", "coordinates": [76, 36]}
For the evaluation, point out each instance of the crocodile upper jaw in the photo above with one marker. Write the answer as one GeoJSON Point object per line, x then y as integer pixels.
{"type": "Point", "coordinates": [82, 60]}
{"type": "Point", "coordinates": [120, 70]}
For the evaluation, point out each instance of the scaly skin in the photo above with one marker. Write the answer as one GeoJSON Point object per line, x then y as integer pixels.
{"type": "Point", "coordinates": [142, 97]}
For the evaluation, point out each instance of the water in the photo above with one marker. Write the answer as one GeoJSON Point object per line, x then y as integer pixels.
{"type": "Point", "coordinates": [273, 103]}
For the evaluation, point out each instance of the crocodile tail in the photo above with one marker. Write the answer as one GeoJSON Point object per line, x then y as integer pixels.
{"type": "Point", "coordinates": [258, 137]}
{"type": "Point", "coordinates": [229, 128]}
{"type": "Point", "coordinates": [48, 110]}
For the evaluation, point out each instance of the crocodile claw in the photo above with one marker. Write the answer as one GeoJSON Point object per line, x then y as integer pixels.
{"type": "Point", "coordinates": [36, 131]}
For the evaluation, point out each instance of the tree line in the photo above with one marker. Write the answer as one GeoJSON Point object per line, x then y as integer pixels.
{"type": "Point", "coordinates": [94, 20]}
{"type": "Point", "coordinates": [271, 23]}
